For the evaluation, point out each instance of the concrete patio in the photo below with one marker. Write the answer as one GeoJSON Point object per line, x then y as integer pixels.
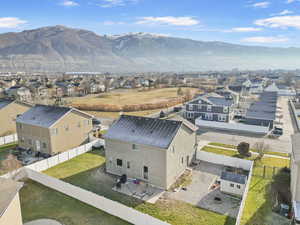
{"type": "Point", "coordinates": [140, 190]}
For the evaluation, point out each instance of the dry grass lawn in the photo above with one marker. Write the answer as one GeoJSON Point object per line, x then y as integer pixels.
{"type": "Point", "coordinates": [129, 96]}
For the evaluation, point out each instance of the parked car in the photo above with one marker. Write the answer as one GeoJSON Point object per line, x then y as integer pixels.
{"type": "Point", "coordinates": [277, 131]}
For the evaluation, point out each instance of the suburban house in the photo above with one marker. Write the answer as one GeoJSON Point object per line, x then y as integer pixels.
{"type": "Point", "coordinates": [19, 93]}
{"type": "Point", "coordinates": [295, 176]}
{"type": "Point", "coordinates": [9, 110]}
{"type": "Point", "coordinates": [53, 129]}
{"type": "Point", "coordinates": [263, 112]}
{"type": "Point", "coordinates": [64, 89]}
{"type": "Point", "coordinates": [152, 150]}
{"type": "Point", "coordinates": [10, 209]}
{"type": "Point", "coordinates": [281, 90]}
{"type": "Point", "coordinates": [212, 107]}
{"type": "Point", "coordinates": [233, 183]}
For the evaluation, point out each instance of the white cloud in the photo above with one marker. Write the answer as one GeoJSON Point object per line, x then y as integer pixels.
{"type": "Point", "coordinates": [244, 29]}
{"type": "Point", "coordinates": [115, 3]}
{"type": "Point", "coordinates": [292, 1]}
{"type": "Point", "coordinates": [69, 3]}
{"type": "Point", "coordinates": [109, 23]}
{"type": "Point", "coordinates": [283, 13]}
{"type": "Point", "coordinates": [169, 20]}
{"type": "Point", "coordinates": [261, 4]}
{"type": "Point", "coordinates": [261, 39]}
{"type": "Point", "coordinates": [280, 22]}
{"type": "Point", "coordinates": [11, 22]}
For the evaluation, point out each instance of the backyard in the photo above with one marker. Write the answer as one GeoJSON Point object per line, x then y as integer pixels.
{"type": "Point", "coordinates": [259, 202]}
{"type": "Point", "coordinates": [87, 171]}
{"type": "Point", "coordinates": [38, 202]}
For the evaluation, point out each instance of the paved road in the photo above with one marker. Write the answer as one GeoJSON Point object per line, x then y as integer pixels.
{"type": "Point", "coordinates": [282, 144]}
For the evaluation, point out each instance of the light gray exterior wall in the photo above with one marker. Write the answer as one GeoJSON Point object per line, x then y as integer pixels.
{"type": "Point", "coordinates": [184, 145]}
{"type": "Point", "coordinates": [153, 158]}
{"type": "Point", "coordinates": [164, 165]}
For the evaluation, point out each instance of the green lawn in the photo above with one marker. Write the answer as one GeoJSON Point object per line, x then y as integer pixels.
{"type": "Point", "coordinates": [38, 201]}
{"type": "Point", "coordinates": [259, 200]}
{"type": "Point", "coordinates": [86, 171]}
{"type": "Point", "coordinates": [252, 149]}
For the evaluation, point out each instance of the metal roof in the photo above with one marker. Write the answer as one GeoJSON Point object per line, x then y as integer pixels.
{"type": "Point", "coordinates": [4, 103]}
{"type": "Point", "coordinates": [143, 130]}
{"type": "Point", "coordinates": [220, 101]}
{"type": "Point", "coordinates": [8, 190]}
{"type": "Point", "coordinates": [234, 177]}
{"type": "Point", "coordinates": [42, 115]}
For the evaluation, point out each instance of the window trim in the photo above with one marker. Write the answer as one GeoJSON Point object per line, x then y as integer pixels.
{"type": "Point", "coordinates": [119, 163]}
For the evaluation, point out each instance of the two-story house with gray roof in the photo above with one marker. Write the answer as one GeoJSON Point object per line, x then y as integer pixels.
{"type": "Point", "coordinates": [53, 129]}
{"type": "Point", "coordinates": [152, 150]}
{"type": "Point", "coordinates": [210, 107]}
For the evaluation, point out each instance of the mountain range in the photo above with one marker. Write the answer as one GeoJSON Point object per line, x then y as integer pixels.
{"type": "Point", "coordinates": [63, 49]}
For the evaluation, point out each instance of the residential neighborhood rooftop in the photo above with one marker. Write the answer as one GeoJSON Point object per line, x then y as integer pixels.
{"type": "Point", "coordinates": [234, 177]}
{"type": "Point", "coordinates": [144, 130]}
{"type": "Point", "coordinates": [4, 103]}
{"type": "Point", "coordinates": [43, 115]}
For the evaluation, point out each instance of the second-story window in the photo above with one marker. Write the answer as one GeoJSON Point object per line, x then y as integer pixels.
{"type": "Point", "coordinates": [191, 107]}
{"type": "Point", "coordinates": [134, 147]}
{"type": "Point", "coordinates": [209, 108]}
{"type": "Point", "coordinates": [225, 109]}
{"type": "Point", "coordinates": [66, 127]}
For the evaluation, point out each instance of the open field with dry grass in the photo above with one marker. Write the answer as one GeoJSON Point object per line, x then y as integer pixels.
{"type": "Point", "coordinates": [114, 115]}
{"type": "Point", "coordinates": [129, 96]}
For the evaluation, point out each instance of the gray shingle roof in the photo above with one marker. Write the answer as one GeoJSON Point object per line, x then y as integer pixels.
{"type": "Point", "coordinates": [43, 115]}
{"type": "Point", "coordinates": [4, 103]}
{"type": "Point", "coordinates": [222, 101]}
{"type": "Point", "coordinates": [8, 190]}
{"type": "Point", "coordinates": [144, 130]}
{"type": "Point", "coordinates": [234, 177]}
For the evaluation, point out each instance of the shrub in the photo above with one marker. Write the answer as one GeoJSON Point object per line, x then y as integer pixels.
{"type": "Point", "coordinates": [243, 149]}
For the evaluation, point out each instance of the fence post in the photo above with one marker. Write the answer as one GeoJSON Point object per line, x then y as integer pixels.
{"type": "Point", "coordinates": [264, 173]}
{"type": "Point", "coordinates": [274, 168]}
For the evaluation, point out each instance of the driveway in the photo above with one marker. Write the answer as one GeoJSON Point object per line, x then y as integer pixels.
{"type": "Point", "coordinates": [282, 144]}
{"type": "Point", "coordinates": [198, 192]}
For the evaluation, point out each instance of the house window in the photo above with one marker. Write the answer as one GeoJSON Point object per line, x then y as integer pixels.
{"type": "Point", "coordinates": [44, 145]}
{"type": "Point", "coordinates": [191, 107]}
{"type": "Point", "coordinates": [20, 125]}
{"type": "Point", "coordinates": [146, 175]}
{"type": "Point", "coordinates": [22, 139]}
{"type": "Point", "coordinates": [232, 185]}
{"type": "Point", "coordinates": [199, 107]}
{"type": "Point", "coordinates": [128, 165]}
{"type": "Point", "coordinates": [225, 109]}
{"type": "Point", "coordinates": [222, 117]}
{"type": "Point", "coordinates": [173, 149]}
{"type": "Point", "coordinates": [209, 108]}
{"type": "Point", "coordinates": [30, 141]}
{"type": "Point", "coordinates": [134, 147]}
{"type": "Point", "coordinates": [190, 115]}
{"type": "Point", "coordinates": [208, 116]}
{"type": "Point", "coordinates": [66, 127]}
{"type": "Point", "coordinates": [119, 162]}
{"type": "Point", "coordinates": [238, 186]}
{"type": "Point", "coordinates": [181, 160]}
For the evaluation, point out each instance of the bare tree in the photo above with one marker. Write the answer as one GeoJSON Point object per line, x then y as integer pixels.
{"type": "Point", "coordinates": [261, 148]}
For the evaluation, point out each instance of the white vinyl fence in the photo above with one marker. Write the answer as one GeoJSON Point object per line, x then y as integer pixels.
{"type": "Point", "coordinates": [238, 127]}
{"type": "Point", "coordinates": [8, 139]}
{"type": "Point", "coordinates": [57, 159]}
{"type": "Point", "coordinates": [111, 207]}
{"type": "Point", "coordinates": [242, 205]}
{"type": "Point", "coordinates": [224, 160]}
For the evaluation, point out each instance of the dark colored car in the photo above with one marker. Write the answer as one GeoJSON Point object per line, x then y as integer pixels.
{"type": "Point", "coordinates": [277, 131]}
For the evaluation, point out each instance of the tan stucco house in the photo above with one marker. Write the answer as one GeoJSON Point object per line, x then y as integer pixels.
{"type": "Point", "coordinates": [152, 150]}
{"type": "Point", "coordinates": [53, 129]}
{"type": "Point", "coordinates": [10, 209]}
{"type": "Point", "coordinates": [9, 110]}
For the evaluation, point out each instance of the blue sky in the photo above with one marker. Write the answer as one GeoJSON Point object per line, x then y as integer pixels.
{"type": "Point", "coordinates": [261, 22]}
